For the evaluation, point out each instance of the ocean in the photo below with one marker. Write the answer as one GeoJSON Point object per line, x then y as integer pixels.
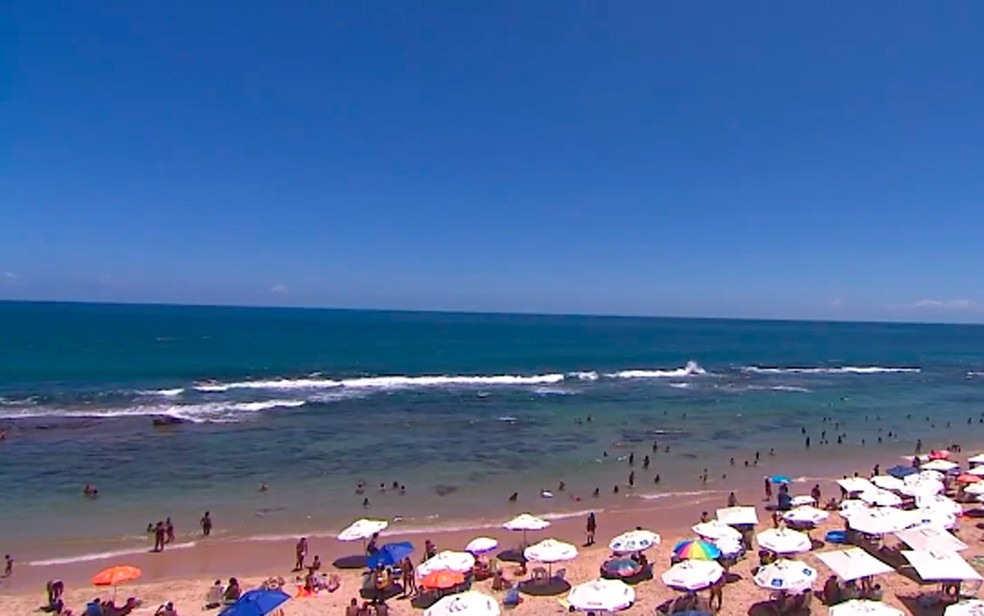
{"type": "Point", "coordinates": [461, 409]}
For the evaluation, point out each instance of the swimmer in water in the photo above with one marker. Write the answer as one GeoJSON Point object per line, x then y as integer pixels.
{"type": "Point", "coordinates": [514, 497]}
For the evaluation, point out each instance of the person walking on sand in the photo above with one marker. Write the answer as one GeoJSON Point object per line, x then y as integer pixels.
{"type": "Point", "coordinates": [8, 566]}
{"type": "Point", "coordinates": [409, 580]}
{"type": "Point", "coordinates": [159, 536]}
{"type": "Point", "coordinates": [717, 592]}
{"type": "Point", "coordinates": [590, 529]}
{"type": "Point", "coordinates": [206, 524]}
{"type": "Point", "coordinates": [768, 489]}
{"type": "Point", "coordinates": [300, 553]}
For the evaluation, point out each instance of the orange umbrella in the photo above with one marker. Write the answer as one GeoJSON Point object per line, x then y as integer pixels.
{"type": "Point", "coordinates": [116, 575]}
{"type": "Point", "coordinates": [939, 454]}
{"type": "Point", "coordinates": [968, 478]}
{"type": "Point", "coordinates": [443, 579]}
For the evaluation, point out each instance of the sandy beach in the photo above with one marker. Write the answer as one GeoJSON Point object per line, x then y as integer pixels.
{"type": "Point", "coordinates": [183, 576]}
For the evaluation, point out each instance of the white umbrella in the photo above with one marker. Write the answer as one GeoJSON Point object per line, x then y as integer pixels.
{"type": "Point", "coordinates": [863, 607]}
{"type": "Point", "coordinates": [975, 488]}
{"type": "Point", "coordinates": [362, 529]}
{"type": "Point", "coordinates": [930, 539]}
{"type": "Point", "coordinates": [525, 522]}
{"type": "Point", "coordinates": [879, 521]}
{"type": "Point", "coordinates": [715, 529]}
{"type": "Point", "coordinates": [941, 566]}
{"type": "Point", "coordinates": [880, 498]}
{"type": "Point", "coordinates": [943, 466]}
{"type": "Point", "coordinates": [934, 518]}
{"type": "Point", "coordinates": [977, 470]}
{"type": "Point", "coordinates": [692, 574]}
{"type": "Point", "coordinates": [786, 575]}
{"type": "Point", "coordinates": [887, 482]}
{"type": "Point", "coordinates": [550, 551]}
{"type": "Point", "coordinates": [784, 541]}
{"type": "Point", "coordinates": [969, 607]}
{"type": "Point", "coordinates": [922, 486]}
{"type": "Point", "coordinates": [853, 564]}
{"type": "Point", "coordinates": [938, 502]}
{"type": "Point", "coordinates": [462, 562]}
{"type": "Point", "coordinates": [978, 459]}
{"type": "Point", "coordinates": [468, 603]}
{"type": "Point", "coordinates": [601, 595]}
{"type": "Point", "coordinates": [805, 515]}
{"type": "Point", "coordinates": [855, 484]}
{"type": "Point", "coordinates": [850, 505]}
{"type": "Point", "coordinates": [802, 499]}
{"type": "Point", "coordinates": [729, 546]}
{"type": "Point", "coordinates": [481, 545]}
{"type": "Point", "coordinates": [738, 516]}
{"type": "Point", "coordinates": [634, 541]}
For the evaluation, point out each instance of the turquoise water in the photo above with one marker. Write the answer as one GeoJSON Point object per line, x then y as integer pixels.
{"type": "Point", "coordinates": [461, 408]}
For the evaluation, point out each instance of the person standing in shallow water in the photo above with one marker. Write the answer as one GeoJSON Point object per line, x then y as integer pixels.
{"type": "Point", "coordinates": [159, 536]}
{"type": "Point", "coordinates": [206, 524]}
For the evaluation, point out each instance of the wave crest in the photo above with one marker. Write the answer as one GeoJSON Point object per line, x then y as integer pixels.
{"type": "Point", "coordinates": [831, 370]}
{"type": "Point", "coordinates": [386, 382]}
{"type": "Point", "coordinates": [691, 369]}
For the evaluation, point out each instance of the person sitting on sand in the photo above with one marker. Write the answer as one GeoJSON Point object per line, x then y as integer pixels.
{"type": "Point", "coordinates": [732, 500]}
{"type": "Point", "coordinates": [166, 610]}
{"type": "Point", "coordinates": [213, 598]}
{"type": "Point", "coordinates": [373, 546]}
{"type": "Point", "coordinates": [232, 592]}
{"type": "Point", "coordinates": [353, 608]}
{"type": "Point", "coordinates": [430, 550]}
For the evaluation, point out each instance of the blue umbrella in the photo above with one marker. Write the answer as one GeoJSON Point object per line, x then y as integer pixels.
{"type": "Point", "coordinates": [900, 471]}
{"type": "Point", "coordinates": [780, 479]}
{"type": "Point", "coordinates": [256, 603]}
{"type": "Point", "coordinates": [390, 554]}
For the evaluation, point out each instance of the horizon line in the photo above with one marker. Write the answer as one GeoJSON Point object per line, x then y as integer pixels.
{"type": "Point", "coordinates": [486, 312]}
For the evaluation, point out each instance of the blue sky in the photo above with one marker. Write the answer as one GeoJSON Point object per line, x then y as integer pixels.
{"type": "Point", "coordinates": [794, 160]}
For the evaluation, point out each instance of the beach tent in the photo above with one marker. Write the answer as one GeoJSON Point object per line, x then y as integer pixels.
{"type": "Point", "coordinates": [715, 529]}
{"type": "Point", "coordinates": [930, 539]}
{"type": "Point", "coordinates": [469, 602]}
{"type": "Point", "coordinates": [256, 603]}
{"type": "Point", "coordinates": [879, 521]}
{"type": "Point", "coordinates": [853, 564]}
{"type": "Point", "coordinates": [692, 575]}
{"type": "Point", "coordinates": [481, 545]}
{"type": "Point", "coordinates": [526, 522]}
{"type": "Point", "coordinates": [880, 498]}
{"type": "Point", "coordinates": [854, 485]}
{"type": "Point", "coordinates": [786, 575]}
{"type": "Point", "coordinates": [863, 607]}
{"type": "Point", "coordinates": [601, 595]}
{"type": "Point", "coordinates": [805, 515]}
{"type": "Point", "coordinates": [969, 607]}
{"type": "Point", "coordinates": [888, 482]}
{"type": "Point", "coordinates": [784, 541]}
{"type": "Point", "coordinates": [941, 566]}
{"type": "Point", "coordinates": [634, 541]}
{"type": "Point", "coordinates": [901, 471]}
{"type": "Point", "coordinates": [462, 562]}
{"type": "Point", "coordinates": [363, 529]}
{"type": "Point", "coordinates": [738, 516]}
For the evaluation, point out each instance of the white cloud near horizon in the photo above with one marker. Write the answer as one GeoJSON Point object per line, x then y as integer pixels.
{"type": "Point", "coordinates": [278, 288]}
{"type": "Point", "coordinates": [10, 275]}
{"type": "Point", "coordinates": [949, 304]}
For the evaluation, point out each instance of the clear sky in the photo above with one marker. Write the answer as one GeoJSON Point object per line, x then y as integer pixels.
{"type": "Point", "coordinates": [773, 159]}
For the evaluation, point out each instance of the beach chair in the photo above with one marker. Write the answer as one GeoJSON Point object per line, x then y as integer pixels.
{"type": "Point", "coordinates": [540, 576]}
{"type": "Point", "coordinates": [560, 574]}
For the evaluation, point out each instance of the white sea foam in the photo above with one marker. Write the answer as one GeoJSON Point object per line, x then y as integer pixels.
{"type": "Point", "coordinates": [832, 370]}
{"type": "Point", "coordinates": [386, 382]}
{"type": "Point", "coordinates": [791, 388]}
{"type": "Point", "coordinates": [662, 495]}
{"type": "Point", "coordinates": [589, 375]}
{"type": "Point", "coordinates": [82, 558]}
{"type": "Point", "coordinates": [168, 393]}
{"type": "Point", "coordinates": [211, 412]}
{"type": "Point", "coordinates": [973, 373]}
{"type": "Point", "coordinates": [680, 385]}
{"type": "Point", "coordinates": [554, 391]}
{"type": "Point", "coordinates": [691, 369]}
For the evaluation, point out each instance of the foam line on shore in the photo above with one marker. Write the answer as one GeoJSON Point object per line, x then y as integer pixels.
{"type": "Point", "coordinates": [82, 558]}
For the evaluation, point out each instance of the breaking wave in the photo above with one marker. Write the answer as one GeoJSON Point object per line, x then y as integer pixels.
{"type": "Point", "coordinates": [386, 382]}
{"type": "Point", "coordinates": [832, 370]}
{"type": "Point", "coordinates": [691, 369]}
{"type": "Point", "coordinates": [82, 558]}
{"type": "Point", "coordinates": [589, 375]}
{"type": "Point", "coordinates": [210, 412]}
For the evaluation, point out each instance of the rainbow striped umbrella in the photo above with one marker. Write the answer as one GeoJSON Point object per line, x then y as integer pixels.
{"type": "Point", "coordinates": [695, 549]}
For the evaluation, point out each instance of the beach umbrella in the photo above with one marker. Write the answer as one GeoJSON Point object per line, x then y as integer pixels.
{"type": "Point", "coordinates": [621, 567]}
{"type": "Point", "coordinates": [601, 595]}
{"type": "Point", "coordinates": [363, 529]}
{"type": "Point", "coordinates": [853, 485]}
{"type": "Point", "coordinates": [715, 529]}
{"type": "Point", "coordinates": [470, 603]}
{"type": "Point", "coordinates": [930, 539]}
{"type": "Point", "coordinates": [880, 498]}
{"type": "Point", "coordinates": [462, 562]}
{"type": "Point", "coordinates": [550, 551]}
{"type": "Point", "coordinates": [938, 502]}
{"type": "Point", "coordinates": [442, 580]}
{"type": "Point", "coordinates": [481, 545]}
{"type": "Point", "coordinates": [888, 482]}
{"type": "Point", "coordinates": [939, 465]}
{"type": "Point", "coordinates": [256, 603]}
{"type": "Point", "coordinates": [977, 470]}
{"type": "Point", "coordinates": [941, 566]}
{"type": "Point", "coordinates": [968, 607]}
{"type": "Point", "coordinates": [738, 516]}
{"type": "Point", "coordinates": [784, 541]}
{"type": "Point", "coordinates": [786, 575]}
{"type": "Point", "coordinates": [978, 459]}
{"type": "Point", "coordinates": [968, 478]}
{"type": "Point", "coordinates": [939, 454]}
{"type": "Point", "coordinates": [929, 475]}
{"type": "Point", "coordinates": [116, 575]}
{"type": "Point", "coordinates": [879, 521]}
{"type": "Point", "coordinates": [634, 541]}
{"type": "Point", "coordinates": [526, 522]}
{"type": "Point", "coordinates": [853, 564]}
{"type": "Point", "coordinates": [850, 505]}
{"type": "Point", "coordinates": [781, 479]}
{"type": "Point", "coordinates": [692, 575]}
{"type": "Point", "coordinates": [729, 546]}
{"type": "Point", "coordinates": [976, 488]}
{"type": "Point", "coordinates": [696, 549]}
{"type": "Point", "coordinates": [900, 471]}
{"type": "Point", "coordinates": [863, 607]}
{"type": "Point", "coordinates": [802, 499]}
{"type": "Point", "coordinates": [805, 515]}
{"type": "Point", "coordinates": [916, 485]}
{"type": "Point", "coordinates": [390, 554]}
{"type": "Point", "coordinates": [934, 518]}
